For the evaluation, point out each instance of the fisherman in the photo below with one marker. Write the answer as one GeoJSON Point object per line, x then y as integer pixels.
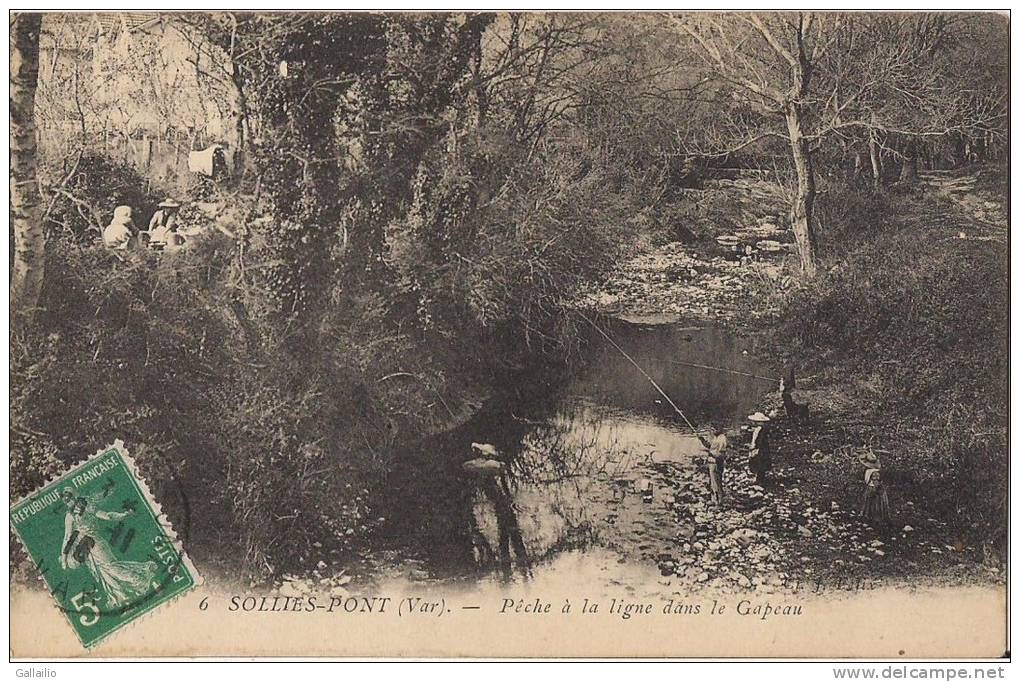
{"type": "Point", "coordinates": [716, 462]}
{"type": "Point", "coordinates": [120, 234]}
{"type": "Point", "coordinates": [760, 459]}
{"type": "Point", "coordinates": [163, 225]}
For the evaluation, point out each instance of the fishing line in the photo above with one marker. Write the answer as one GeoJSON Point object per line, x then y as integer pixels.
{"type": "Point", "coordinates": [721, 369]}
{"type": "Point", "coordinates": [640, 369]}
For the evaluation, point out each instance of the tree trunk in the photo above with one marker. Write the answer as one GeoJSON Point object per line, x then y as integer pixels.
{"type": "Point", "coordinates": [858, 165]}
{"type": "Point", "coordinates": [26, 226]}
{"type": "Point", "coordinates": [804, 199]}
{"type": "Point", "coordinates": [240, 123]}
{"type": "Point", "coordinates": [876, 160]}
{"type": "Point", "coordinates": [959, 153]}
{"type": "Point", "coordinates": [908, 171]}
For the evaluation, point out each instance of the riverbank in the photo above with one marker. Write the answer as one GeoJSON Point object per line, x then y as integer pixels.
{"type": "Point", "coordinates": [804, 532]}
{"type": "Point", "coordinates": [897, 329]}
{"type": "Point", "coordinates": [934, 270]}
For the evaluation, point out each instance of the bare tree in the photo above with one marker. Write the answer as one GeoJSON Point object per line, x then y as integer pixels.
{"type": "Point", "coordinates": [769, 63]}
{"type": "Point", "coordinates": [806, 78]}
{"type": "Point", "coordinates": [921, 90]}
{"type": "Point", "coordinates": [216, 39]}
{"type": "Point", "coordinates": [29, 240]}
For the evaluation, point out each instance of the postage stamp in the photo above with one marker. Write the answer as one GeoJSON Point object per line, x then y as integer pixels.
{"type": "Point", "coordinates": [105, 551]}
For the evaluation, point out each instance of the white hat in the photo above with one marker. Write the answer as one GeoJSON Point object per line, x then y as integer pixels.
{"type": "Point", "coordinates": [121, 215]}
{"type": "Point", "coordinates": [485, 448]}
{"type": "Point", "coordinates": [757, 417]}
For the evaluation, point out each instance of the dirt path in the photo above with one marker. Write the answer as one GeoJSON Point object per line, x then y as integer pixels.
{"type": "Point", "coordinates": [972, 204]}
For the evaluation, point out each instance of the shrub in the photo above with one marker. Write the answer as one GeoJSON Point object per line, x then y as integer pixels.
{"type": "Point", "coordinates": [84, 205]}
{"type": "Point", "coordinates": [503, 240]}
{"type": "Point", "coordinates": [150, 349]}
{"type": "Point", "coordinates": [921, 321]}
{"type": "Point", "coordinates": [289, 474]}
{"type": "Point", "coordinates": [846, 214]}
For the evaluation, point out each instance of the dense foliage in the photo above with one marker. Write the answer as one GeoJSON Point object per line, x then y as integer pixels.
{"type": "Point", "coordinates": [917, 324]}
{"type": "Point", "coordinates": [424, 197]}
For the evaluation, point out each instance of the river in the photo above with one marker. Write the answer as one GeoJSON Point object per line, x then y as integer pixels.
{"type": "Point", "coordinates": [590, 459]}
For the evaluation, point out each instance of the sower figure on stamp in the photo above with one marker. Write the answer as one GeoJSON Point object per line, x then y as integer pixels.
{"type": "Point", "coordinates": [84, 545]}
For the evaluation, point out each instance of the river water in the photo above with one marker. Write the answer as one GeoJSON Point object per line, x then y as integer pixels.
{"type": "Point", "coordinates": [590, 460]}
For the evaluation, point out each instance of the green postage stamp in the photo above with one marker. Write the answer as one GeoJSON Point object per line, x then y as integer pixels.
{"type": "Point", "coordinates": [99, 540]}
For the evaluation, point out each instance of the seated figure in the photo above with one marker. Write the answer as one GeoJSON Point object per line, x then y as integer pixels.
{"type": "Point", "coordinates": [120, 234]}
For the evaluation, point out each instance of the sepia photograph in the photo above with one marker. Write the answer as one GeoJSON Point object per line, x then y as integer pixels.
{"type": "Point", "coordinates": [509, 334]}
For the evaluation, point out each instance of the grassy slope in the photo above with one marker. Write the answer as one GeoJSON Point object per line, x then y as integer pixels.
{"type": "Point", "coordinates": [905, 340]}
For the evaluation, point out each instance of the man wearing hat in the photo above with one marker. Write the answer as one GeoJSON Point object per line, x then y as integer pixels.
{"type": "Point", "coordinates": [163, 225]}
{"type": "Point", "coordinates": [760, 460]}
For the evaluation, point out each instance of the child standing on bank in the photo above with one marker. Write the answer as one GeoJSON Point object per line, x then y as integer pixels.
{"type": "Point", "coordinates": [875, 508]}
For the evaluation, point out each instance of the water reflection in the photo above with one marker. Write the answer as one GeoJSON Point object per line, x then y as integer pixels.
{"type": "Point", "coordinates": [493, 504]}
{"type": "Point", "coordinates": [575, 467]}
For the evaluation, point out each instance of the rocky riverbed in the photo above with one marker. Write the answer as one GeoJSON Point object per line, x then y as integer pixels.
{"type": "Point", "coordinates": [710, 281]}
{"type": "Point", "coordinates": [804, 531]}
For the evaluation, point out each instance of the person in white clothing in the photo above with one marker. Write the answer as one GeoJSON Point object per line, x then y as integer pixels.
{"type": "Point", "coordinates": [120, 234]}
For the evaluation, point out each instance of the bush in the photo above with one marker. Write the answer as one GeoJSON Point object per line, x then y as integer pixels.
{"type": "Point", "coordinates": [84, 206]}
{"type": "Point", "coordinates": [289, 474]}
{"type": "Point", "coordinates": [919, 322]}
{"type": "Point", "coordinates": [846, 214]}
{"type": "Point", "coordinates": [116, 354]}
{"type": "Point", "coordinates": [502, 240]}
{"type": "Point", "coordinates": [151, 350]}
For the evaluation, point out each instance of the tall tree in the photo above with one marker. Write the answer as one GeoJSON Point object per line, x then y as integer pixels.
{"type": "Point", "coordinates": [29, 241]}
{"type": "Point", "coordinates": [807, 78]}
{"type": "Point", "coordinates": [768, 64]}
{"type": "Point", "coordinates": [216, 39]}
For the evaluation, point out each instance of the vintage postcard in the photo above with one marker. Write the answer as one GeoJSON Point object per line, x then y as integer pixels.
{"type": "Point", "coordinates": [509, 334]}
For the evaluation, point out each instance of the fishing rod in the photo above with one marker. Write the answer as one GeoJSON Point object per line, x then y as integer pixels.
{"type": "Point", "coordinates": [643, 372]}
{"type": "Point", "coordinates": [722, 369]}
